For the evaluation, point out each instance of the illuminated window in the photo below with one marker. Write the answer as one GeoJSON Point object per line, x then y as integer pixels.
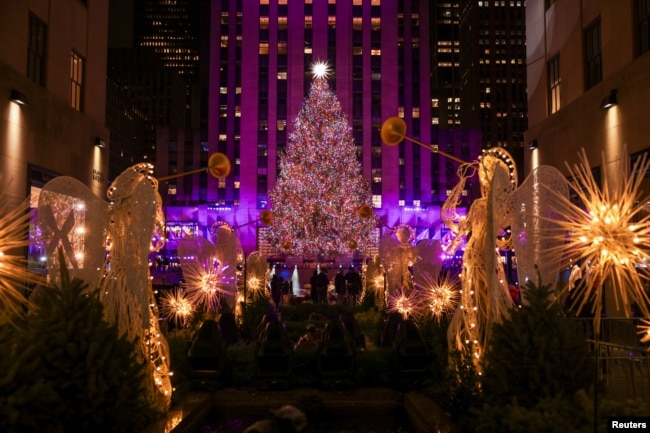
{"type": "Point", "coordinates": [282, 75]}
{"type": "Point", "coordinates": [282, 23]}
{"type": "Point", "coordinates": [357, 51]}
{"type": "Point", "coordinates": [331, 21]}
{"type": "Point", "coordinates": [375, 23]}
{"type": "Point", "coordinates": [281, 124]}
{"type": "Point", "coordinates": [308, 22]}
{"type": "Point", "coordinates": [375, 52]}
{"type": "Point", "coordinates": [223, 137]}
{"type": "Point", "coordinates": [237, 111]}
{"type": "Point", "coordinates": [435, 121]}
{"type": "Point", "coordinates": [401, 203]}
{"type": "Point", "coordinates": [264, 48]}
{"type": "Point", "coordinates": [554, 96]}
{"type": "Point", "coordinates": [357, 23]}
{"type": "Point", "coordinates": [376, 175]}
{"type": "Point", "coordinates": [264, 24]}
{"type": "Point", "coordinates": [76, 80]}
{"type": "Point", "coordinates": [223, 90]}
{"type": "Point", "coordinates": [416, 112]}
{"type": "Point", "coordinates": [376, 201]}
{"type": "Point", "coordinates": [434, 102]}
{"type": "Point", "coordinates": [282, 48]}
{"type": "Point", "coordinates": [224, 41]}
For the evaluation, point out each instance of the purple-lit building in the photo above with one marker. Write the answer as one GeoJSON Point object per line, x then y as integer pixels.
{"type": "Point", "coordinates": [380, 54]}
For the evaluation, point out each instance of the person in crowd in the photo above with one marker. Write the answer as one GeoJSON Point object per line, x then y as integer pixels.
{"type": "Point", "coordinates": [276, 290]}
{"type": "Point", "coordinates": [322, 283]}
{"type": "Point", "coordinates": [340, 287]}
{"type": "Point", "coordinates": [353, 280]}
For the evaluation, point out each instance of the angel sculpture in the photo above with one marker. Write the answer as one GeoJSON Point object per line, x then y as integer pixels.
{"type": "Point", "coordinates": [85, 228]}
{"type": "Point", "coordinates": [485, 298]}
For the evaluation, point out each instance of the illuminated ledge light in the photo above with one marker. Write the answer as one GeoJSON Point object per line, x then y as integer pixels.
{"type": "Point", "coordinates": [415, 208]}
{"type": "Point", "coordinates": [217, 207]}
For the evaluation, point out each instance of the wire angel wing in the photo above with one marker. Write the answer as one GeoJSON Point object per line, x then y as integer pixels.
{"type": "Point", "coordinates": [533, 220]}
{"type": "Point", "coordinates": [70, 216]}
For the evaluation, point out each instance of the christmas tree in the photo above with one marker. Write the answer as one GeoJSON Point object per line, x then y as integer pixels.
{"type": "Point", "coordinates": [321, 202]}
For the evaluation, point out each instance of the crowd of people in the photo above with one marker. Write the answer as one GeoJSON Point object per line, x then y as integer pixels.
{"type": "Point", "coordinates": [347, 287]}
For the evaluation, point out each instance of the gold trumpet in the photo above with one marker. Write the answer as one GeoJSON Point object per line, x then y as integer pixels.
{"type": "Point", "coordinates": [218, 166]}
{"type": "Point", "coordinates": [393, 131]}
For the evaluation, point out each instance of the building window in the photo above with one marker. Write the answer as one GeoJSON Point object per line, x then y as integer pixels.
{"type": "Point", "coordinates": [643, 26]}
{"type": "Point", "coordinates": [376, 201]}
{"type": "Point", "coordinates": [593, 55]}
{"type": "Point", "coordinates": [264, 48]}
{"type": "Point", "coordinates": [36, 50]}
{"type": "Point", "coordinates": [554, 99]}
{"type": "Point", "coordinates": [76, 81]}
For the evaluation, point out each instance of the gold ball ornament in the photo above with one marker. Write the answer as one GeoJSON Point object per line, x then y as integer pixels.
{"type": "Point", "coordinates": [365, 211]}
{"type": "Point", "coordinates": [219, 165]}
{"type": "Point", "coordinates": [353, 245]}
{"type": "Point", "coordinates": [266, 216]}
{"type": "Point", "coordinates": [393, 131]}
{"type": "Point", "coordinates": [286, 245]}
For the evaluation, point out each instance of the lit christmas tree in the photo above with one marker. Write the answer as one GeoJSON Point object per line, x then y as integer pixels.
{"type": "Point", "coordinates": [321, 202]}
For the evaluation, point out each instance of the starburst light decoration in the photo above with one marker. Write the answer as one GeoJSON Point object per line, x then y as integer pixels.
{"type": "Point", "coordinates": [207, 283]}
{"type": "Point", "coordinates": [406, 302]}
{"type": "Point", "coordinates": [320, 70]}
{"type": "Point", "coordinates": [13, 267]}
{"type": "Point", "coordinates": [440, 295]}
{"type": "Point", "coordinates": [176, 307]}
{"type": "Point", "coordinates": [609, 234]}
{"type": "Point", "coordinates": [256, 276]}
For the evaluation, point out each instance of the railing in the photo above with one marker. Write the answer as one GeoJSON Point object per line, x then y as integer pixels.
{"type": "Point", "coordinates": [623, 360]}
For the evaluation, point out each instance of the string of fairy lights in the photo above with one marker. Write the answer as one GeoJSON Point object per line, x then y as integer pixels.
{"type": "Point", "coordinates": [322, 209]}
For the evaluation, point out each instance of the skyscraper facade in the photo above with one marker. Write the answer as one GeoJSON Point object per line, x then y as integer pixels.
{"type": "Point", "coordinates": [493, 72]}
{"type": "Point", "coordinates": [379, 53]}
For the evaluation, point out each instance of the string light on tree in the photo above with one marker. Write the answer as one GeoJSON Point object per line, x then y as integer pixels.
{"type": "Point", "coordinates": [326, 209]}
